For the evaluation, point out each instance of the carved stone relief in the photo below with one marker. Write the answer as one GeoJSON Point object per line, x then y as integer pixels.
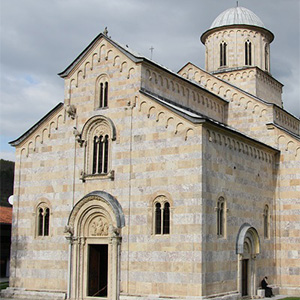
{"type": "Point", "coordinates": [98, 227]}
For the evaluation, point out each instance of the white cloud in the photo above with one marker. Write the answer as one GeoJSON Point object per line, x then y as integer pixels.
{"type": "Point", "coordinates": [8, 155]}
{"type": "Point", "coordinates": [24, 101]}
{"type": "Point", "coordinates": [40, 38]}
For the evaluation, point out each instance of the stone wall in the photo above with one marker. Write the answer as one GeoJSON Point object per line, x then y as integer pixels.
{"type": "Point", "coordinates": [247, 183]}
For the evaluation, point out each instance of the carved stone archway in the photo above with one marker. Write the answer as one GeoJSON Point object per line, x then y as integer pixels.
{"type": "Point", "coordinates": [247, 248]}
{"type": "Point", "coordinates": [94, 226]}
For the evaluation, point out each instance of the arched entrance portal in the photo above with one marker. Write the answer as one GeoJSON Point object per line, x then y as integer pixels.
{"type": "Point", "coordinates": [247, 248]}
{"type": "Point", "coordinates": [94, 232]}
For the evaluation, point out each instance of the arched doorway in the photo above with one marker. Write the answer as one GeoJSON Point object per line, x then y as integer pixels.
{"type": "Point", "coordinates": [94, 232]}
{"type": "Point", "coordinates": [247, 248]}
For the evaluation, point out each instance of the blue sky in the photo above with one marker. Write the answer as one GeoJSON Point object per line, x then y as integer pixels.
{"type": "Point", "coordinates": [40, 38]}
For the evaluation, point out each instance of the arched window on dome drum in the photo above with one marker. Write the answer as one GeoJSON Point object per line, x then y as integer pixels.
{"type": "Point", "coordinates": [248, 53]}
{"type": "Point", "coordinates": [267, 57]}
{"type": "Point", "coordinates": [100, 154]}
{"type": "Point", "coordinates": [223, 54]}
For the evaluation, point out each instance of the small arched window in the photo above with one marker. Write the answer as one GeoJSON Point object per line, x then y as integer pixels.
{"type": "Point", "coordinates": [102, 92]}
{"type": "Point", "coordinates": [248, 53]}
{"type": "Point", "coordinates": [43, 220]}
{"type": "Point", "coordinates": [267, 57]}
{"type": "Point", "coordinates": [266, 218]}
{"type": "Point", "coordinates": [161, 216]}
{"type": "Point", "coordinates": [157, 218]}
{"type": "Point", "coordinates": [166, 219]}
{"type": "Point", "coordinates": [221, 217]}
{"type": "Point", "coordinates": [223, 54]}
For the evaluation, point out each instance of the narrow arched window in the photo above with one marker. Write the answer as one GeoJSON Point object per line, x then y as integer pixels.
{"type": "Point", "coordinates": [40, 221]}
{"type": "Point", "coordinates": [267, 57]}
{"type": "Point", "coordinates": [166, 218]}
{"type": "Point", "coordinates": [43, 220]}
{"type": "Point", "coordinates": [46, 221]}
{"type": "Point", "coordinates": [101, 98]}
{"type": "Point", "coordinates": [103, 94]}
{"type": "Point", "coordinates": [223, 54]}
{"type": "Point", "coordinates": [266, 217]}
{"type": "Point", "coordinates": [157, 218]}
{"type": "Point", "coordinates": [100, 155]}
{"type": "Point", "coordinates": [221, 217]}
{"type": "Point", "coordinates": [248, 53]}
{"type": "Point", "coordinates": [95, 154]}
{"type": "Point", "coordinates": [105, 155]}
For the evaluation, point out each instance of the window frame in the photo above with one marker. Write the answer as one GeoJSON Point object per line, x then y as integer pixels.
{"type": "Point", "coordinates": [163, 215]}
{"type": "Point", "coordinates": [267, 57]}
{"type": "Point", "coordinates": [223, 54]}
{"type": "Point", "coordinates": [42, 220]}
{"type": "Point", "coordinates": [266, 222]}
{"type": "Point", "coordinates": [221, 215]}
{"type": "Point", "coordinates": [248, 53]}
{"type": "Point", "coordinates": [102, 92]}
{"type": "Point", "coordinates": [98, 133]}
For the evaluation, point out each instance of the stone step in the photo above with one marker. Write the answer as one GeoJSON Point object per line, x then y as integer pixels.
{"type": "Point", "coordinates": [17, 293]}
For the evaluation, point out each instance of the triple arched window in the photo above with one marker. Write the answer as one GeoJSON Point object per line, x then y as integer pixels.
{"type": "Point", "coordinates": [161, 216]}
{"type": "Point", "coordinates": [97, 135]}
{"type": "Point", "coordinates": [248, 53]}
{"type": "Point", "coordinates": [100, 154]}
{"type": "Point", "coordinates": [223, 54]}
{"type": "Point", "coordinates": [43, 220]}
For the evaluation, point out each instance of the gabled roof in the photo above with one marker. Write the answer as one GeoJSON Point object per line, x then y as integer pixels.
{"type": "Point", "coordinates": [125, 50]}
{"type": "Point", "coordinates": [20, 139]}
{"type": "Point", "coordinates": [198, 118]}
{"type": "Point", "coordinates": [131, 54]}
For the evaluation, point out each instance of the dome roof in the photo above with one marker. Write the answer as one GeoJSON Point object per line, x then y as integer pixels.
{"type": "Point", "coordinates": [237, 16]}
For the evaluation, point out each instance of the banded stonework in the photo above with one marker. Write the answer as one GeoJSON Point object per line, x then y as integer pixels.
{"type": "Point", "coordinates": [151, 184]}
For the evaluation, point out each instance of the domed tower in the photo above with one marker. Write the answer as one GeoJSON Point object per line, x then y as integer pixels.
{"type": "Point", "coordinates": [238, 50]}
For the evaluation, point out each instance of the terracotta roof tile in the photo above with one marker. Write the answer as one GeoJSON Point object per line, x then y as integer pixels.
{"type": "Point", "coordinates": [5, 214]}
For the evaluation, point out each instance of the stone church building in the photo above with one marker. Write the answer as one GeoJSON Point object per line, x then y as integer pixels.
{"type": "Point", "coordinates": [146, 183]}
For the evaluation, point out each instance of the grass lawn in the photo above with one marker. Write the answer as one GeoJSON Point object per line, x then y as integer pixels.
{"type": "Point", "coordinates": [3, 285]}
{"type": "Point", "coordinates": [291, 298]}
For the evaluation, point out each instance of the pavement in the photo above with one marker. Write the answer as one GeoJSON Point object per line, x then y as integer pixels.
{"type": "Point", "coordinates": [5, 279]}
{"type": "Point", "coordinates": [277, 297]}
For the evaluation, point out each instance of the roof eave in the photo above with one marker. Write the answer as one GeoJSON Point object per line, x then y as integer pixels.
{"type": "Point", "coordinates": [20, 139]}
{"type": "Point", "coordinates": [211, 30]}
{"type": "Point", "coordinates": [75, 62]}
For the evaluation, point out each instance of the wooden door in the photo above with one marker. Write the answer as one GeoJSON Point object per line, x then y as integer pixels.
{"type": "Point", "coordinates": [98, 268]}
{"type": "Point", "coordinates": [245, 277]}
